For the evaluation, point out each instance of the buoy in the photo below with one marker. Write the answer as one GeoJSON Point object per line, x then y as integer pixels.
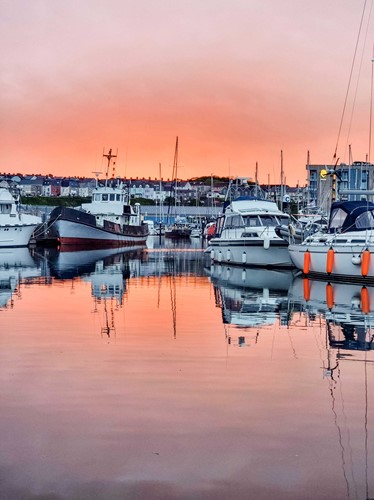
{"type": "Point", "coordinates": [330, 260]}
{"type": "Point", "coordinates": [365, 300]}
{"type": "Point", "coordinates": [329, 296]}
{"type": "Point", "coordinates": [244, 257]}
{"type": "Point", "coordinates": [306, 289]}
{"type": "Point", "coordinates": [365, 261]}
{"type": "Point", "coordinates": [306, 262]}
{"type": "Point", "coordinates": [228, 255]}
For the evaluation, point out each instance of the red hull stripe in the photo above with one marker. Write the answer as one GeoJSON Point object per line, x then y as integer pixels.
{"type": "Point", "coordinates": [94, 243]}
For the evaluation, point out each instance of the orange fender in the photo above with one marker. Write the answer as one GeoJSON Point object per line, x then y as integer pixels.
{"type": "Point", "coordinates": [306, 262]}
{"type": "Point", "coordinates": [330, 260]}
{"type": "Point", "coordinates": [365, 261]}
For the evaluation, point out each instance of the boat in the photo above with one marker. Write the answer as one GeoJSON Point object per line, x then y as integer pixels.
{"type": "Point", "coordinates": [16, 227]}
{"type": "Point", "coordinates": [346, 250]}
{"type": "Point", "coordinates": [179, 229]}
{"type": "Point", "coordinates": [245, 234]}
{"type": "Point", "coordinates": [108, 221]}
{"type": "Point", "coordinates": [300, 228]}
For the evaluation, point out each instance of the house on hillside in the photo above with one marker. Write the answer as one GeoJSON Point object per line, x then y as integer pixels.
{"type": "Point", "coordinates": [51, 186]}
{"type": "Point", "coordinates": [32, 185]}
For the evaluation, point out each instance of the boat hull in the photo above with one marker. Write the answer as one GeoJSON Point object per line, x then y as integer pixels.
{"type": "Point", "coordinates": [75, 234]}
{"type": "Point", "coordinates": [17, 235]}
{"type": "Point", "coordinates": [250, 252]}
{"type": "Point", "coordinates": [346, 262]}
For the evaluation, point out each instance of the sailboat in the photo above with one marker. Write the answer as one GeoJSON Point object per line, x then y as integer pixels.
{"type": "Point", "coordinates": [179, 229]}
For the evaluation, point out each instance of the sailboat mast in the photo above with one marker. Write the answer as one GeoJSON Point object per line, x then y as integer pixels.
{"type": "Point", "coordinates": [282, 181]}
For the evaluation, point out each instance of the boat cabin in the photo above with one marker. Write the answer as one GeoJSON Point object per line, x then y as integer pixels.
{"type": "Point", "coordinates": [351, 216]}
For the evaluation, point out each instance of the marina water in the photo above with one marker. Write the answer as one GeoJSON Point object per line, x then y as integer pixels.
{"type": "Point", "coordinates": [154, 374]}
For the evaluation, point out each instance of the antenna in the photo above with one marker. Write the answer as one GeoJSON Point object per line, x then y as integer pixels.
{"type": "Point", "coordinates": [97, 173]}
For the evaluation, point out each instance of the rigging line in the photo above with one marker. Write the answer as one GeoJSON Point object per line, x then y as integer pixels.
{"type": "Point", "coordinates": [371, 103]}
{"type": "Point", "coordinates": [331, 389]}
{"type": "Point", "coordinates": [358, 79]}
{"type": "Point", "coordinates": [349, 81]}
{"type": "Point", "coordinates": [366, 427]}
{"type": "Point", "coordinates": [348, 433]}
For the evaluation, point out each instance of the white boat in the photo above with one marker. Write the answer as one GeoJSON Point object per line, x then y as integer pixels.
{"type": "Point", "coordinates": [245, 234]}
{"type": "Point", "coordinates": [345, 250]}
{"type": "Point", "coordinates": [16, 227]}
{"type": "Point", "coordinates": [108, 221]}
{"type": "Point", "coordinates": [300, 228]}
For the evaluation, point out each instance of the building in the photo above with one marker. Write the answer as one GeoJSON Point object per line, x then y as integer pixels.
{"type": "Point", "coordinates": [326, 183]}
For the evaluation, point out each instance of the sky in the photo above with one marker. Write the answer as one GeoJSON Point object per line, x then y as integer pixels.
{"type": "Point", "coordinates": [239, 82]}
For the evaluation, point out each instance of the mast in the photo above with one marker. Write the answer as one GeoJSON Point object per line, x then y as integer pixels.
{"type": "Point", "coordinates": [174, 178]}
{"type": "Point", "coordinates": [282, 181]}
{"type": "Point", "coordinates": [109, 157]}
{"type": "Point", "coordinates": [161, 201]}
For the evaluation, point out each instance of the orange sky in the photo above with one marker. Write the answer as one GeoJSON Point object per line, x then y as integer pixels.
{"type": "Point", "coordinates": [236, 80]}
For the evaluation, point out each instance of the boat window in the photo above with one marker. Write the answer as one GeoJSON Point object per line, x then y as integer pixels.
{"type": "Point", "coordinates": [337, 218]}
{"type": "Point", "coordinates": [233, 221]}
{"type": "Point", "coordinates": [104, 197]}
{"type": "Point", "coordinates": [219, 225]}
{"type": "Point", "coordinates": [252, 221]}
{"type": "Point", "coordinates": [268, 220]}
{"type": "Point", "coordinates": [5, 208]}
{"type": "Point", "coordinates": [365, 220]}
{"type": "Point", "coordinates": [284, 221]}
{"type": "Point", "coordinates": [118, 197]}
{"type": "Point", "coordinates": [112, 197]}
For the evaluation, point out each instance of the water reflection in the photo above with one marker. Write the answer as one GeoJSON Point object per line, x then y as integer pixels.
{"type": "Point", "coordinates": [17, 267]}
{"type": "Point", "coordinates": [346, 307]}
{"type": "Point", "coordinates": [118, 382]}
{"type": "Point", "coordinates": [249, 298]}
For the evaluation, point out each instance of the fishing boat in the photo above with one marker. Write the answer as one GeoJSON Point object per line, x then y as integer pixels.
{"type": "Point", "coordinates": [345, 250]}
{"type": "Point", "coordinates": [245, 234]}
{"type": "Point", "coordinates": [16, 227]}
{"type": "Point", "coordinates": [108, 221]}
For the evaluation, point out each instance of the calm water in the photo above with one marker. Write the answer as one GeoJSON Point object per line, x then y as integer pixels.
{"type": "Point", "coordinates": [153, 375]}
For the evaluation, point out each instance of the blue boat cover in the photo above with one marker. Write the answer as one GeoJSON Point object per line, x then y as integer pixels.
{"type": "Point", "coordinates": [351, 216]}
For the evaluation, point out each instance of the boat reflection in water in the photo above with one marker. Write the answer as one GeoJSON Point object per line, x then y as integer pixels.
{"type": "Point", "coordinates": [347, 308]}
{"type": "Point", "coordinates": [106, 269]}
{"type": "Point", "coordinates": [346, 346]}
{"type": "Point", "coordinates": [17, 267]}
{"type": "Point", "coordinates": [250, 298]}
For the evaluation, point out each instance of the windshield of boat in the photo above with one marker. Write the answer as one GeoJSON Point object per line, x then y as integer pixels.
{"type": "Point", "coordinates": [337, 218]}
{"type": "Point", "coordinates": [264, 220]}
{"type": "Point", "coordinates": [365, 220]}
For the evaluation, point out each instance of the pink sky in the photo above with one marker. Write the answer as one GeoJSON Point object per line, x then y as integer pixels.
{"type": "Point", "coordinates": [236, 80]}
